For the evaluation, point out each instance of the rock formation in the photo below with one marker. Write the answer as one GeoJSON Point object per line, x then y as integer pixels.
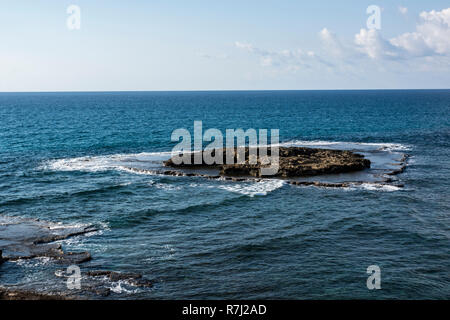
{"type": "Point", "coordinates": [293, 162]}
{"type": "Point", "coordinates": [28, 239]}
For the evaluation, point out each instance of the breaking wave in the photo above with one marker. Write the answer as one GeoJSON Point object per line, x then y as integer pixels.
{"type": "Point", "coordinates": [121, 162]}
{"type": "Point", "coordinates": [259, 188]}
{"type": "Point", "coordinates": [374, 187]}
{"type": "Point", "coordinates": [363, 146]}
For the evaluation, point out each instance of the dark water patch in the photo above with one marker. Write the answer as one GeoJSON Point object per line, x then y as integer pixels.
{"type": "Point", "coordinates": [127, 220]}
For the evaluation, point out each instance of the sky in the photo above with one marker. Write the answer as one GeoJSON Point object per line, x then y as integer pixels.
{"type": "Point", "coordinates": [160, 45]}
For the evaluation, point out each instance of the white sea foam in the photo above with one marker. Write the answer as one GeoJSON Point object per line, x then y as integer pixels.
{"type": "Point", "coordinates": [104, 225]}
{"type": "Point", "coordinates": [374, 187]}
{"type": "Point", "coordinates": [60, 273]}
{"type": "Point", "coordinates": [165, 186]}
{"type": "Point", "coordinates": [117, 287]}
{"type": "Point", "coordinates": [60, 225]}
{"type": "Point", "coordinates": [107, 162]}
{"type": "Point", "coordinates": [7, 220]}
{"type": "Point", "coordinates": [31, 263]}
{"type": "Point", "coordinates": [259, 188]}
{"type": "Point", "coordinates": [347, 145]}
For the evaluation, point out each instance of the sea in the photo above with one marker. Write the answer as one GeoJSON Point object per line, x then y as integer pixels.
{"type": "Point", "coordinates": [92, 159]}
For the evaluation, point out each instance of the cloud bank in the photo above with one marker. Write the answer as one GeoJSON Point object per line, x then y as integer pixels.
{"type": "Point", "coordinates": [431, 38]}
{"type": "Point", "coordinates": [430, 42]}
{"type": "Point", "coordinates": [288, 59]}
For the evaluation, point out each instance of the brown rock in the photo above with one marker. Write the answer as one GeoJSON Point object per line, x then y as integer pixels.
{"type": "Point", "coordinates": [293, 162]}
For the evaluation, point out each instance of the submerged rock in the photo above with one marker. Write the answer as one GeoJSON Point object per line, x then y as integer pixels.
{"type": "Point", "coordinates": [71, 257]}
{"type": "Point", "coordinates": [29, 238]}
{"type": "Point", "coordinates": [397, 171]}
{"type": "Point", "coordinates": [16, 294]}
{"type": "Point", "coordinates": [320, 184]}
{"type": "Point", "coordinates": [293, 162]}
{"type": "Point", "coordinates": [97, 290]}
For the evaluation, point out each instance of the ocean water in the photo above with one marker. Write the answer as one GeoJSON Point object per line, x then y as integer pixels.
{"type": "Point", "coordinates": [90, 159]}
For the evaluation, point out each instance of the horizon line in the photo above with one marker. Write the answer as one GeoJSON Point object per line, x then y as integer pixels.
{"type": "Point", "coordinates": [223, 90]}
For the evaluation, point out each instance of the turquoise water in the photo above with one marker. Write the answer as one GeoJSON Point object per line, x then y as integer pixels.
{"type": "Point", "coordinates": [64, 157]}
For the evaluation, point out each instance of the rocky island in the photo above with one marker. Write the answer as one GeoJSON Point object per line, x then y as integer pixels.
{"type": "Point", "coordinates": [293, 162]}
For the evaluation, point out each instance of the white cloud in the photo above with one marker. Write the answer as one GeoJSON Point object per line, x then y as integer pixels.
{"type": "Point", "coordinates": [430, 43]}
{"type": "Point", "coordinates": [266, 61]}
{"type": "Point", "coordinates": [403, 10]}
{"type": "Point", "coordinates": [326, 35]}
{"type": "Point", "coordinates": [290, 60]}
{"type": "Point", "coordinates": [243, 45]}
{"type": "Point", "coordinates": [413, 45]}
{"type": "Point", "coordinates": [371, 43]}
{"type": "Point", "coordinates": [431, 38]}
{"type": "Point", "coordinates": [333, 46]}
{"type": "Point", "coordinates": [435, 30]}
{"type": "Point", "coordinates": [213, 56]}
{"type": "Point", "coordinates": [440, 17]}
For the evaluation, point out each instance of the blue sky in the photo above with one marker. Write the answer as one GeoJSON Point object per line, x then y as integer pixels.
{"type": "Point", "coordinates": [223, 45]}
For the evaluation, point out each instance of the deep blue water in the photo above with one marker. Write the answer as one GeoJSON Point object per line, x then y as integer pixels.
{"type": "Point", "coordinates": [63, 159]}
